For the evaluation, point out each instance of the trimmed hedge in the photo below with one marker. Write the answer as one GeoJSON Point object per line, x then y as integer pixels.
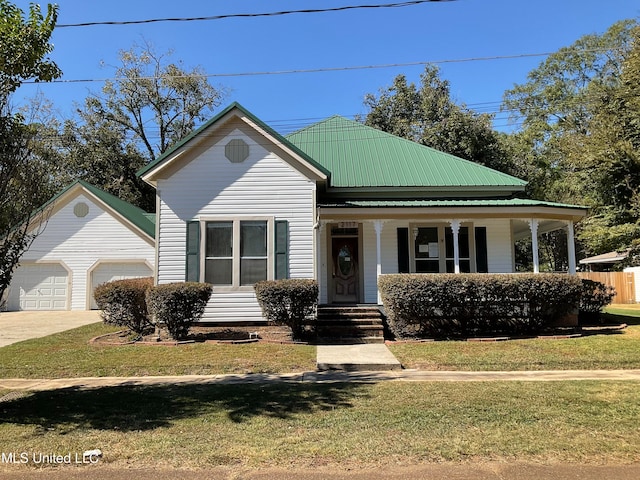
{"type": "Point", "coordinates": [450, 305]}
{"type": "Point", "coordinates": [123, 303]}
{"type": "Point", "coordinates": [287, 302]}
{"type": "Point", "coordinates": [175, 306]}
{"type": "Point", "coordinates": [595, 296]}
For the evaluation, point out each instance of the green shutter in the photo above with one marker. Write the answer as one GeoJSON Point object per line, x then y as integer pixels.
{"type": "Point", "coordinates": [482, 260]}
{"type": "Point", "coordinates": [192, 270]}
{"type": "Point", "coordinates": [403, 250]}
{"type": "Point", "coordinates": [282, 249]}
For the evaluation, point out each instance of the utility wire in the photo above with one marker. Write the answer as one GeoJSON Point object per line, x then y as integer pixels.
{"type": "Point", "coordinates": [314, 70]}
{"type": "Point", "coordinates": [251, 15]}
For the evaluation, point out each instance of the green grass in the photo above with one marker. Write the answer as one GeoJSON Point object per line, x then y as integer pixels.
{"type": "Point", "coordinates": [623, 310]}
{"type": "Point", "coordinates": [602, 351]}
{"type": "Point", "coordinates": [297, 425]}
{"type": "Point", "coordinates": [68, 354]}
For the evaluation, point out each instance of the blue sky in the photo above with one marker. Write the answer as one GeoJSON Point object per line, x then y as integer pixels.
{"type": "Point", "coordinates": [436, 31]}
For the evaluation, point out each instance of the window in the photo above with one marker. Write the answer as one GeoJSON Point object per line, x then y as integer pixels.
{"type": "Point", "coordinates": [253, 252]}
{"type": "Point", "coordinates": [427, 250]}
{"type": "Point", "coordinates": [463, 249]}
{"type": "Point", "coordinates": [432, 250]}
{"type": "Point", "coordinates": [218, 267]}
{"type": "Point", "coordinates": [236, 252]}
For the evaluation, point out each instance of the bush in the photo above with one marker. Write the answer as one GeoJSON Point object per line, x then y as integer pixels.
{"type": "Point", "coordinates": [287, 302]}
{"type": "Point", "coordinates": [175, 306]}
{"type": "Point", "coordinates": [123, 303]}
{"type": "Point", "coordinates": [449, 305]}
{"type": "Point", "coordinates": [595, 296]}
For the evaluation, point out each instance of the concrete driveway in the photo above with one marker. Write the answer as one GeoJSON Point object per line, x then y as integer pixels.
{"type": "Point", "coordinates": [19, 326]}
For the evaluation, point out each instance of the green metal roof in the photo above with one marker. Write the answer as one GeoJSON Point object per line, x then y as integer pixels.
{"type": "Point", "coordinates": [507, 202]}
{"type": "Point", "coordinates": [361, 156]}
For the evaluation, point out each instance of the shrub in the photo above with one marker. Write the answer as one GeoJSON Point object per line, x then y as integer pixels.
{"type": "Point", "coordinates": [287, 302]}
{"type": "Point", "coordinates": [446, 305]}
{"type": "Point", "coordinates": [123, 303]}
{"type": "Point", "coordinates": [175, 306]}
{"type": "Point", "coordinates": [595, 296]}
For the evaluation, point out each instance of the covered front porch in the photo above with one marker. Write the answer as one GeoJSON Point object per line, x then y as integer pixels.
{"type": "Point", "coordinates": [356, 243]}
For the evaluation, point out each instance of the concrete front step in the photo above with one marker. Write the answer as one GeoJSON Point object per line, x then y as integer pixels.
{"type": "Point", "coordinates": [349, 324]}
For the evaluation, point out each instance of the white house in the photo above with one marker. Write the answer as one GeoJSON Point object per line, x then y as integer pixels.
{"type": "Point", "coordinates": [90, 237]}
{"type": "Point", "coordinates": [337, 201]}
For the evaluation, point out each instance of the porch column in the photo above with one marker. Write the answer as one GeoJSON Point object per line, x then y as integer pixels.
{"type": "Point", "coordinates": [318, 250]}
{"type": "Point", "coordinates": [533, 225]}
{"type": "Point", "coordinates": [571, 248]}
{"type": "Point", "coordinates": [377, 225]}
{"type": "Point", "coordinates": [455, 229]}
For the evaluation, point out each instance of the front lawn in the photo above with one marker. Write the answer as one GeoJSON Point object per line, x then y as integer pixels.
{"type": "Point", "coordinates": [68, 354]}
{"type": "Point", "coordinates": [630, 311]}
{"type": "Point", "coordinates": [602, 351]}
{"type": "Point", "coordinates": [350, 425]}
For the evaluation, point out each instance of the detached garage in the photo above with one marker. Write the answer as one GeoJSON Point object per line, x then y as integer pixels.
{"type": "Point", "coordinates": [90, 237]}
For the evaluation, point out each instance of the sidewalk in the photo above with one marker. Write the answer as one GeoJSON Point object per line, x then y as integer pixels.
{"type": "Point", "coordinates": [321, 377]}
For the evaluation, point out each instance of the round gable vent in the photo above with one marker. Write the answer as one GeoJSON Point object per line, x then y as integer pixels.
{"type": "Point", "coordinates": [81, 209]}
{"type": "Point", "coordinates": [236, 151]}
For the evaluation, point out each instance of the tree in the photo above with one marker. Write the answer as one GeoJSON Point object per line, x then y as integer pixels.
{"type": "Point", "coordinates": [151, 105]}
{"type": "Point", "coordinates": [157, 103]}
{"type": "Point", "coordinates": [609, 157]}
{"type": "Point", "coordinates": [101, 153]}
{"type": "Point", "coordinates": [427, 115]}
{"type": "Point", "coordinates": [555, 108]}
{"type": "Point", "coordinates": [576, 141]}
{"type": "Point", "coordinates": [24, 46]}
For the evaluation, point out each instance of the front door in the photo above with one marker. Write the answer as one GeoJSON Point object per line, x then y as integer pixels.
{"type": "Point", "coordinates": [344, 252]}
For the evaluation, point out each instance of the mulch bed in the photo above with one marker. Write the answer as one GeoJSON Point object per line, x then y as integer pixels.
{"type": "Point", "coordinates": [233, 335]}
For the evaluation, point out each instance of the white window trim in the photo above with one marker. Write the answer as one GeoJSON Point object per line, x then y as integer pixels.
{"type": "Point", "coordinates": [235, 276]}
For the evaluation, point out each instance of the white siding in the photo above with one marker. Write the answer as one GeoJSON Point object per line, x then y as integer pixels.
{"type": "Point", "coordinates": [263, 185]}
{"type": "Point", "coordinates": [499, 245]}
{"type": "Point", "coordinates": [80, 243]}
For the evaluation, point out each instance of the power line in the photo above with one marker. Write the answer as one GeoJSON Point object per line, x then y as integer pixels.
{"type": "Point", "coordinates": [251, 15]}
{"type": "Point", "coordinates": [315, 70]}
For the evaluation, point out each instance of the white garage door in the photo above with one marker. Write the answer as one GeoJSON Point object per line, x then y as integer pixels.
{"type": "Point", "coordinates": [39, 287]}
{"type": "Point", "coordinates": [108, 272]}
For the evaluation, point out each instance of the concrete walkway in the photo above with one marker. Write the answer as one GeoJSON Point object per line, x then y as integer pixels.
{"type": "Point", "coordinates": [320, 377]}
{"type": "Point", "coordinates": [354, 358]}
{"type": "Point", "coordinates": [19, 326]}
